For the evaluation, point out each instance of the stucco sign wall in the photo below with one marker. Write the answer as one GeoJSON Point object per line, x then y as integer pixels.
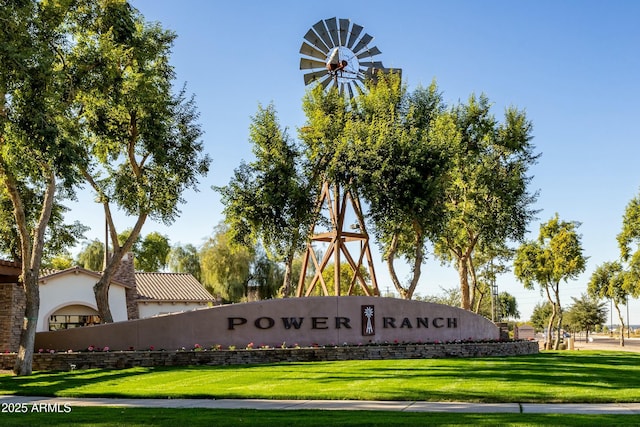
{"type": "Point", "coordinates": [301, 321]}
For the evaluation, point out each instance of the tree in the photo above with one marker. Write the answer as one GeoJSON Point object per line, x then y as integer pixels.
{"type": "Point", "coordinates": [269, 200]}
{"type": "Point", "coordinates": [266, 276]}
{"type": "Point", "coordinates": [58, 234]}
{"type": "Point", "coordinates": [484, 267]}
{"type": "Point", "coordinates": [609, 280]}
{"type": "Point", "coordinates": [629, 244]}
{"type": "Point", "coordinates": [586, 313]}
{"type": "Point", "coordinates": [153, 252]}
{"type": "Point", "coordinates": [91, 256]}
{"type": "Point", "coordinates": [59, 262]}
{"type": "Point", "coordinates": [37, 150]}
{"type": "Point", "coordinates": [508, 306]}
{"type": "Point", "coordinates": [556, 256]}
{"type": "Point", "coordinates": [487, 198]}
{"type": "Point", "coordinates": [226, 267]}
{"type": "Point", "coordinates": [399, 155]}
{"type": "Point", "coordinates": [185, 259]}
{"type": "Point", "coordinates": [540, 316]}
{"type": "Point", "coordinates": [449, 296]}
{"type": "Point", "coordinates": [142, 140]}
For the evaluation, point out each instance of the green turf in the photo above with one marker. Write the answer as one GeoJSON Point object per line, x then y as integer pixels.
{"type": "Point", "coordinates": [147, 417]}
{"type": "Point", "coordinates": [585, 376]}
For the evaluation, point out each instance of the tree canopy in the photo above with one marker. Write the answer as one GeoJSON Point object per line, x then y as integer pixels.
{"type": "Point", "coordinates": [487, 199]}
{"type": "Point", "coordinates": [585, 314]}
{"type": "Point", "coordinates": [142, 140]}
{"type": "Point", "coordinates": [555, 257]}
{"type": "Point", "coordinates": [270, 200]}
{"type": "Point", "coordinates": [39, 145]}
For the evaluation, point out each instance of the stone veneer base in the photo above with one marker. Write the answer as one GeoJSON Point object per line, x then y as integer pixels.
{"type": "Point", "coordinates": [129, 359]}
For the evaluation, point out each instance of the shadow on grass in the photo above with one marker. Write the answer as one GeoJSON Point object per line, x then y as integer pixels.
{"type": "Point", "coordinates": [60, 383]}
{"type": "Point", "coordinates": [546, 377]}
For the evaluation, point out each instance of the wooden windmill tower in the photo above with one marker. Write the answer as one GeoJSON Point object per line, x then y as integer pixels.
{"type": "Point", "coordinates": [345, 239]}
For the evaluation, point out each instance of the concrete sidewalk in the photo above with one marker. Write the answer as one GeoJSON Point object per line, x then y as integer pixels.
{"type": "Point", "coordinates": [343, 405]}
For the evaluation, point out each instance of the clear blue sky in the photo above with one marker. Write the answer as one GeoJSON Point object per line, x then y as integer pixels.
{"type": "Point", "coordinates": [572, 65]}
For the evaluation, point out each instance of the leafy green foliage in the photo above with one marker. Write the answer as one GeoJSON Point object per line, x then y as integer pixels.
{"type": "Point", "coordinates": [270, 200]}
{"type": "Point", "coordinates": [91, 256]}
{"type": "Point", "coordinates": [554, 257]}
{"type": "Point", "coordinates": [486, 199]}
{"type": "Point", "coordinates": [184, 259]}
{"type": "Point", "coordinates": [585, 314]}
{"type": "Point", "coordinates": [153, 253]}
{"type": "Point", "coordinates": [266, 276]}
{"type": "Point", "coordinates": [629, 243]}
{"type": "Point", "coordinates": [226, 267]}
{"type": "Point", "coordinates": [611, 281]}
{"type": "Point", "coordinates": [399, 159]}
{"type": "Point", "coordinates": [142, 140]}
{"type": "Point", "coordinates": [541, 314]}
{"type": "Point", "coordinates": [39, 148]}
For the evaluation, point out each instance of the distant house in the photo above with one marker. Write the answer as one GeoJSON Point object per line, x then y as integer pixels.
{"type": "Point", "coordinates": [67, 299]}
{"type": "Point", "coordinates": [164, 293]}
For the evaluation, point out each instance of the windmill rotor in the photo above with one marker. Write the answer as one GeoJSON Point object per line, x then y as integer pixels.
{"type": "Point", "coordinates": [350, 43]}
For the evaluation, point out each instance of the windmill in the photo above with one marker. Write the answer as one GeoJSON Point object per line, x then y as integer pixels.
{"type": "Point", "coordinates": [336, 53]}
{"type": "Point", "coordinates": [339, 39]}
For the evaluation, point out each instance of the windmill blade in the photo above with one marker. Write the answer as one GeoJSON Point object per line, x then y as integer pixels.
{"type": "Point", "coordinates": [308, 50]}
{"type": "Point", "coordinates": [360, 88]}
{"type": "Point", "coordinates": [370, 64]}
{"type": "Point", "coordinates": [324, 34]}
{"type": "Point", "coordinates": [364, 41]}
{"type": "Point", "coordinates": [369, 53]}
{"type": "Point", "coordinates": [350, 91]}
{"type": "Point", "coordinates": [344, 30]}
{"type": "Point", "coordinates": [325, 82]}
{"type": "Point", "coordinates": [308, 64]}
{"type": "Point", "coordinates": [314, 76]}
{"type": "Point", "coordinates": [332, 25]}
{"type": "Point", "coordinates": [353, 36]}
{"type": "Point", "coordinates": [316, 41]}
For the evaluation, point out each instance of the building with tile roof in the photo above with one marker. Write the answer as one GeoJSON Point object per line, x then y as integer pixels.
{"type": "Point", "coordinates": [67, 299]}
{"type": "Point", "coordinates": [163, 293]}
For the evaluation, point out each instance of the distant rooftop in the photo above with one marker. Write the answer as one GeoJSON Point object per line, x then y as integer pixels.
{"type": "Point", "coordinates": [172, 287]}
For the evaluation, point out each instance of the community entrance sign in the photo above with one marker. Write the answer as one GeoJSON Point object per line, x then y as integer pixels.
{"type": "Point", "coordinates": [314, 321]}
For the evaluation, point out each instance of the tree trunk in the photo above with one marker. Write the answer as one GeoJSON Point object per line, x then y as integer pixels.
{"type": "Point", "coordinates": [556, 344]}
{"type": "Point", "coordinates": [557, 309]}
{"type": "Point", "coordinates": [31, 257]}
{"type": "Point", "coordinates": [390, 257]}
{"type": "Point", "coordinates": [24, 360]}
{"type": "Point", "coordinates": [621, 323]}
{"type": "Point", "coordinates": [101, 288]}
{"type": "Point", "coordinates": [548, 344]}
{"type": "Point", "coordinates": [473, 286]}
{"type": "Point", "coordinates": [463, 273]}
{"type": "Point", "coordinates": [285, 290]}
{"type": "Point", "coordinates": [417, 262]}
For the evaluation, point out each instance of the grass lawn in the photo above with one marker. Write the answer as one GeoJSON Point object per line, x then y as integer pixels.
{"type": "Point", "coordinates": [146, 417]}
{"type": "Point", "coordinates": [584, 376]}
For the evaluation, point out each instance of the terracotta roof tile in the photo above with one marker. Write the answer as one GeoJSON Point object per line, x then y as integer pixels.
{"type": "Point", "coordinates": [171, 287]}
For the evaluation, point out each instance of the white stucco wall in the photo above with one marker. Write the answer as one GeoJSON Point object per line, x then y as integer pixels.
{"type": "Point", "coordinates": [154, 309]}
{"type": "Point", "coordinates": [76, 289]}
